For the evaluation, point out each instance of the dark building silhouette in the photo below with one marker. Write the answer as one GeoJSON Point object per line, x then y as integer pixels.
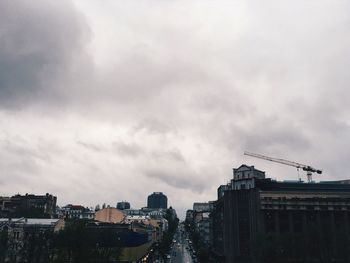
{"type": "Point", "coordinates": [256, 219]}
{"type": "Point", "coordinates": [123, 205]}
{"type": "Point", "coordinates": [157, 200]}
{"type": "Point", "coordinates": [29, 205]}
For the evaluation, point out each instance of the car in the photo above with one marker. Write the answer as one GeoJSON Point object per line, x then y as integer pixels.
{"type": "Point", "coordinates": [168, 257]}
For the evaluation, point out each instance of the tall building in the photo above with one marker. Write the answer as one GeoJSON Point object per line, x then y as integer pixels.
{"type": "Point", "coordinates": [123, 205]}
{"type": "Point", "coordinates": [157, 200]}
{"type": "Point", "coordinates": [257, 218]}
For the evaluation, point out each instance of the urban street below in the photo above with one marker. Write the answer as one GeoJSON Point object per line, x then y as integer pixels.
{"type": "Point", "coordinates": [182, 251]}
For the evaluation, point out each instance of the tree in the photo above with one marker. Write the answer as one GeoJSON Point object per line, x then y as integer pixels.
{"type": "Point", "coordinates": [79, 243]}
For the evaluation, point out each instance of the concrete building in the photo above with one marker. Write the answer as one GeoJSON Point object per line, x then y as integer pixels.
{"type": "Point", "coordinates": [157, 200]}
{"type": "Point", "coordinates": [255, 212]}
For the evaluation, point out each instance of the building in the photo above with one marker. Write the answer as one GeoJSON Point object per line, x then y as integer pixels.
{"type": "Point", "coordinates": [260, 218]}
{"type": "Point", "coordinates": [189, 216]}
{"type": "Point", "coordinates": [157, 200]}
{"type": "Point", "coordinates": [203, 228]}
{"type": "Point", "coordinates": [110, 215]}
{"type": "Point", "coordinates": [21, 231]}
{"type": "Point", "coordinates": [28, 205]}
{"type": "Point", "coordinates": [203, 207]}
{"type": "Point", "coordinates": [76, 211]}
{"type": "Point", "coordinates": [136, 212]}
{"type": "Point", "coordinates": [123, 205]}
{"type": "Point", "coordinates": [134, 238]}
{"type": "Point", "coordinates": [244, 177]}
{"type": "Point", "coordinates": [217, 229]}
{"type": "Point", "coordinates": [202, 222]}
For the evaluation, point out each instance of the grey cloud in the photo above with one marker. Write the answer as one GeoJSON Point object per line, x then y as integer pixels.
{"type": "Point", "coordinates": [178, 178]}
{"type": "Point", "coordinates": [128, 149]}
{"type": "Point", "coordinates": [171, 155]}
{"type": "Point", "coordinates": [186, 97]}
{"type": "Point", "coordinates": [154, 126]}
{"type": "Point", "coordinates": [41, 46]}
{"type": "Point", "coordinates": [90, 146]}
{"type": "Point", "coordinates": [270, 135]}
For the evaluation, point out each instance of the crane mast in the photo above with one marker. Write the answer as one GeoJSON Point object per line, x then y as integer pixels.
{"type": "Point", "coordinates": [309, 170]}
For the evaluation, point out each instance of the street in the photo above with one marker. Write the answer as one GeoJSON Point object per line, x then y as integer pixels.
{"type": "Point", "coordinates": [181, 251]}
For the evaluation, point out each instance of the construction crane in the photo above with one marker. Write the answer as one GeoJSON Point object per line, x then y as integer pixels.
{"type": "Point", "coordinates": [309, 170]}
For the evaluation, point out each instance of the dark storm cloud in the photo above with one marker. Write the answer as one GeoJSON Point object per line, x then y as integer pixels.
{"type": "Point", "coordinates": [41, 46]}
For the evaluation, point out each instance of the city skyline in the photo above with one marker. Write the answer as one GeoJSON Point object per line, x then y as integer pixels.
{"type": "Point", "coordinates": [104, 102]}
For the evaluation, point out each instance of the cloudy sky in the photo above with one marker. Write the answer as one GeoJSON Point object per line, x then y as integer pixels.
{"type": "Point", "coordinates": [102, 101]}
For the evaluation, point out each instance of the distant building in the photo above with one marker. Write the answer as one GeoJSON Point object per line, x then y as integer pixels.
{"type": "Point", "coordinates": [189, 216]}
{"type": "Point", "coordinates": [255, 213]}
{"type": "Point", "coordinates": [136, 212]}
{"type": "Point", "coordinates": [29, 205]}
{"type": "Point", "coordinates": [123, 205]}
{"type": "Point", "coordinates": [244, 177]}
{"type": "Point", "coordinates": [110, 215]}
{"type": "Point", "coordinates": [157, 200]}
{"type": "Point", "coordinates": [76, 211]}
{"type": "Point", "coordinates": [200, 220]}
{"type": "Point", "coordinates": [202, 207]}
{"type": "Point", "coordinates": [203, 227]}
{"type": "Point", "coordinates": [152, 212]}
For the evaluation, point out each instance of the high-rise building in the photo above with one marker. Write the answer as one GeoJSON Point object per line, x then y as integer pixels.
{"type": "Point", "coordinates": [123, 205]}
{"type": "Point", "coordinates": [157, 200]}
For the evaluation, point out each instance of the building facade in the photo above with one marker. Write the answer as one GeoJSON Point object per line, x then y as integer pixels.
{"type": "Point", "coordinates": [157, 200]}
{"type": "Point", "coordinates": [110, 215]}
{"type": "Point", "coordinates": [28, 205]}
{"type": "Point", "coordinates": [21, 232]}
{"type": "Point", "coordinates": [123, 205]}
{"type": "Point", "coordinates": [76, 212]}
{"type": "Point", "coordinates": [258, 218]}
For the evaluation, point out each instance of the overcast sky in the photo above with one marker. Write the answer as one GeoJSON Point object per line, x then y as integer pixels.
{"type": "Point", "coordinates": [103, 101]}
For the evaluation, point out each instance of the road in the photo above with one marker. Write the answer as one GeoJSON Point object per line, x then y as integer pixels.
{"type": "Point", "coordinates": [180, 252]}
